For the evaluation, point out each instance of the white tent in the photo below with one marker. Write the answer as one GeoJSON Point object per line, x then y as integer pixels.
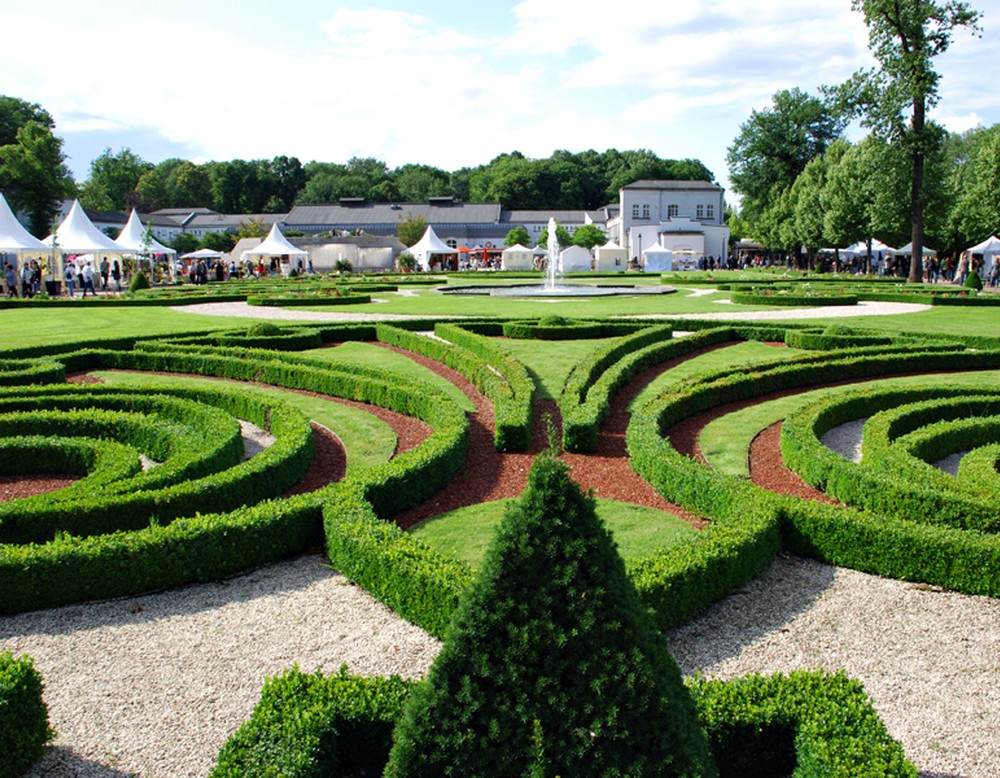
{"type": "Point", "coordinates": [574, 259]}
{"type": "Point", "coordinates": [13, 237]}
{"type": "Point", "coordinates": [988, 248]}
{"type": "Point", "coordinates": [78, 235]}
{"type": "Point", "coordinates": [610, 257]}
{"type": "Point", "coordinates": [907, 251]}
{"type": "Point", "coordinates": [203, 254]}
{"type": "Point", "coordinates": [860, 249]}
{"type": "Point", "coordinates": [517, 257]}
{"type": "Point", "coordinates": [276, 245]}
{"type": "Point", "coordinates": [428, 246]}
{"type": "Point", "coordinates": [657, 259]}
{"type": "Point", "coordinates": [133, 239]}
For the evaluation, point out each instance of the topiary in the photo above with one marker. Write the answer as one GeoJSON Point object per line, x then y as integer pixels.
{"type": "Point", "coordinates": [551, 665]}
{"type": "Point", "coordinates": [139, 281]}
{"type": "Point", "coordinates": [553, 321]}
{"type": "Point", "coordinates": [24, 719]}
{"type": "Point", "coordinates": [973, 281]}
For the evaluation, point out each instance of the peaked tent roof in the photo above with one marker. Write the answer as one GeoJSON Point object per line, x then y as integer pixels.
{"type": "Point", "coordinates": [517, 248]}
{"type": "Point", "coordinates": [275, 245]}
{"type": "Point", "coordinates": [133, 238]}
{"type": "Point", "coordinates": [656, 248]}
{"type": "Point", "coordinates": [861, 248]}
{"type": "Point", "coordinates": [202, 254]}
{"type": "Point", "coordinates": [78, 235]}
{"type": "Point", "coordinates": [430, 243]}
{"type": "Point", "coordinates": [13, 237]}
{"type": "Point", "coordinates": [989, 246]}
{"type": "Point", "coordinates": [908, 249]}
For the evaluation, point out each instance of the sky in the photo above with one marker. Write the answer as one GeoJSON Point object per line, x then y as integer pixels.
{"type": "Point", "coordinates": [441, 82]}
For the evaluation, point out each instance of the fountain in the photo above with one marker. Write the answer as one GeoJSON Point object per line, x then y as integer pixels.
{"type": "Point", "coordinates": [551, 287]}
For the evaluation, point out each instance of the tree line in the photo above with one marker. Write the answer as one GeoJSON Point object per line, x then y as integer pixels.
{"type": "Point", "coordinates": [34, 175]}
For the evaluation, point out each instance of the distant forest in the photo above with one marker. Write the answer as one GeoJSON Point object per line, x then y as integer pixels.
{"type": "Point", "coordinates": [565, 180]}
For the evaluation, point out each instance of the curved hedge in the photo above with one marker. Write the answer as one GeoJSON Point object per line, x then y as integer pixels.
{"type": "Point", "coordinates": [880, 483]}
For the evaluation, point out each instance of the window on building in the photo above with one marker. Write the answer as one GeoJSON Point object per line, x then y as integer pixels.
{"type": "Point", "coordinates": [645, 211]}
{"type": "Point", "coordinates": [635, 210]}
{"type": "Point", "coordinates": [699, 212]}
{"type": "Point", "coordinates": [672, 211]}
{"type": "Point", "coordinates": [710, 213]}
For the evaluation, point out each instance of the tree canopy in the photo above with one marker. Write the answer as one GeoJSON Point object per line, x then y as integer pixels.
{"type": "Point", "coordinates": [892, 99]}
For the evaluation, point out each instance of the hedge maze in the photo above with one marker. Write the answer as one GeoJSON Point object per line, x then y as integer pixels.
{"type": "Point", "coordinates": [166, 496]}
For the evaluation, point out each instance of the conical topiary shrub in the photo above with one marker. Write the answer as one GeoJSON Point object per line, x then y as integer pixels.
{"type": "Point", "coordinates": [551, 665]}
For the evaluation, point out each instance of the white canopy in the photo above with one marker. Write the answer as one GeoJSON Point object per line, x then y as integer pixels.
{"type": "Point", "coordinates": [13, 237]}
{"type": "Point", "coordinates": [656, 258]}
{"type": "Point", "coordinates": [610, 256]}
{"type": "Point", "coordinates": [517, 257]}
{"type": "Point", "coordinates": [133, 239]}
{"type": "Point", "coordinates": [275, 245]}
{"type": "Point", "coordinates": [78, 235]}
{"type": "Point", "coordinates": [907, 250]}
{"type": "Point", "coordinates": [202, 254]}
{"type": "Point", "coordinates": [988, 248]}
{"type": "Point", "coordinates": [860, 249]}
{"type": "Point", "coordinates": [428, 245]}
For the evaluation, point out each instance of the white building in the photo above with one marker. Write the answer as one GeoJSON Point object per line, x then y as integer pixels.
{"type": "Point", "coordinates": [683, 216]}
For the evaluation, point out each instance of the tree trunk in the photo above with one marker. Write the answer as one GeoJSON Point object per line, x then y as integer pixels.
{"type": "Point", "coordinates": [917, 194]}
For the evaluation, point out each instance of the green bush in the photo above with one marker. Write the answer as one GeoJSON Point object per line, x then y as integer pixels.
{"type": "Point", "coordinates": [973, 281]}
{"type": "Point", "coordinates": [24, 718]}
{"type": "Point", "coordinates": [310, 725]}
{"type": "Point", "coordinates": [139, 281]}
{"type": "Point", "coordinates": [551, 665]}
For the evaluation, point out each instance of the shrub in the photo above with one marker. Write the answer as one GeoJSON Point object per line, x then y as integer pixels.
{"type": "Point", "coordinates": [139, 282]}
{"type": "Point", "coordinates": [973, 281]}
{"type": "Point", "coordinates": [24, 719]}
{"type": "Point", "coordinates": [551, 665]}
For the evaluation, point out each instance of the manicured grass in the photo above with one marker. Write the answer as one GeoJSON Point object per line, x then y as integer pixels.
{"type": "Point", "coordinates": [33, 327]}
{"type": "Point", "coordinates": [725, 442]}
{"type": "Point", "coordinates": [370, 355]}
{"type": "Point", "coordinates": [549, 361]}
{"type": "Point", "coordinates": [369, 441]}
{"type": "Point", "coordinates": [466, 533]}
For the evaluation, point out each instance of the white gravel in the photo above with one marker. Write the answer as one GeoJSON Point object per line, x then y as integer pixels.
{"type": "Point", "coordinates": [153, 685]}
{"type": "Point", "coordinates": [845, 439]}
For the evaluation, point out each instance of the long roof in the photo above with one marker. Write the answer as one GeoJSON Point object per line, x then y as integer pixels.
{"type": "Point", "coordinates": [674, 185]}
{"type": "Point", "coordinates": [392, 213]}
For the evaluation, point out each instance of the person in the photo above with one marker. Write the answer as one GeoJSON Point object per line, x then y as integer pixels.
{"type": "Point", "coordinates": [26, 277]}
{"type": "Point", "coordinates": [105, 269]}
{"type": "Point", "coordinates": [88, 280]}
{"type": "Point", "coordinates": [995, 272]}
{"type": "Point", "coordinates": [116, 274]}
{"type": "Point", "coordinates": [963, 269]}
{"type": "Point", "coordinates": [10, 278]}
{"type": "Point", "coordinates": [70, 277]}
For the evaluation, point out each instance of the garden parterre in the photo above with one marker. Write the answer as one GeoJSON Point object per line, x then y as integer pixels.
{"type": "Point", "coordinates": [738, 544]}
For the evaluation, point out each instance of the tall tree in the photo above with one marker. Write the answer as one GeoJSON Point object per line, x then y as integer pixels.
{"type": "Point", "coordinates": [15, 113]}
{"type": "Point", "coordinates": [905, 36]}
{"type": "Point", "coordinates": [113, 180]}
{"type": "Point", "coordinates": [411, 229]}
{"type": "Point", "coordinates": [33, 169]}
{"type": "Point", "coordinates": [775, 144]}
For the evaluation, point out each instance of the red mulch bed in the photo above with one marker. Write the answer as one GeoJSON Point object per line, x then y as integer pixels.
{"type": "Point", "coordinates": [767, 468]}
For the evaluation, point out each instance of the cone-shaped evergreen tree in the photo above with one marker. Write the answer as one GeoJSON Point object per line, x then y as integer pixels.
{"type": "Point", "coordinates": [551, 665]}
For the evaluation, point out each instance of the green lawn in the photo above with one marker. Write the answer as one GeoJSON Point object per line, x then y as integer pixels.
{"type": "Point", "coordinates": [465, 533]}
{"type": "Point", "coordinates": [369, 441]}
{"type": "Point", "coordinates": [549, 361]}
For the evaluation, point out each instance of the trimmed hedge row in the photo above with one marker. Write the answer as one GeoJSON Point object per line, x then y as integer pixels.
{"type": "Point", "coordinates": [876, 483]}
{"type": "Point", "coordinates": [810, 722]}
{"type": "Point", "coordinates": [827, 340]}
{"type": "Point", "coordinates": [24, 718]}
{"type": "Point", "coordinates": [979, 470]}
{"type": "Point", "coordinates": [758, 297]}
{"type": "Point", "coordinates": [317, 299]}
{"type": "Point", "coordinates": [410, 577]}
{"type": "Point", "coordinates": [493, 370]}
{"type": "Point", "coordinates": [21, 372]}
